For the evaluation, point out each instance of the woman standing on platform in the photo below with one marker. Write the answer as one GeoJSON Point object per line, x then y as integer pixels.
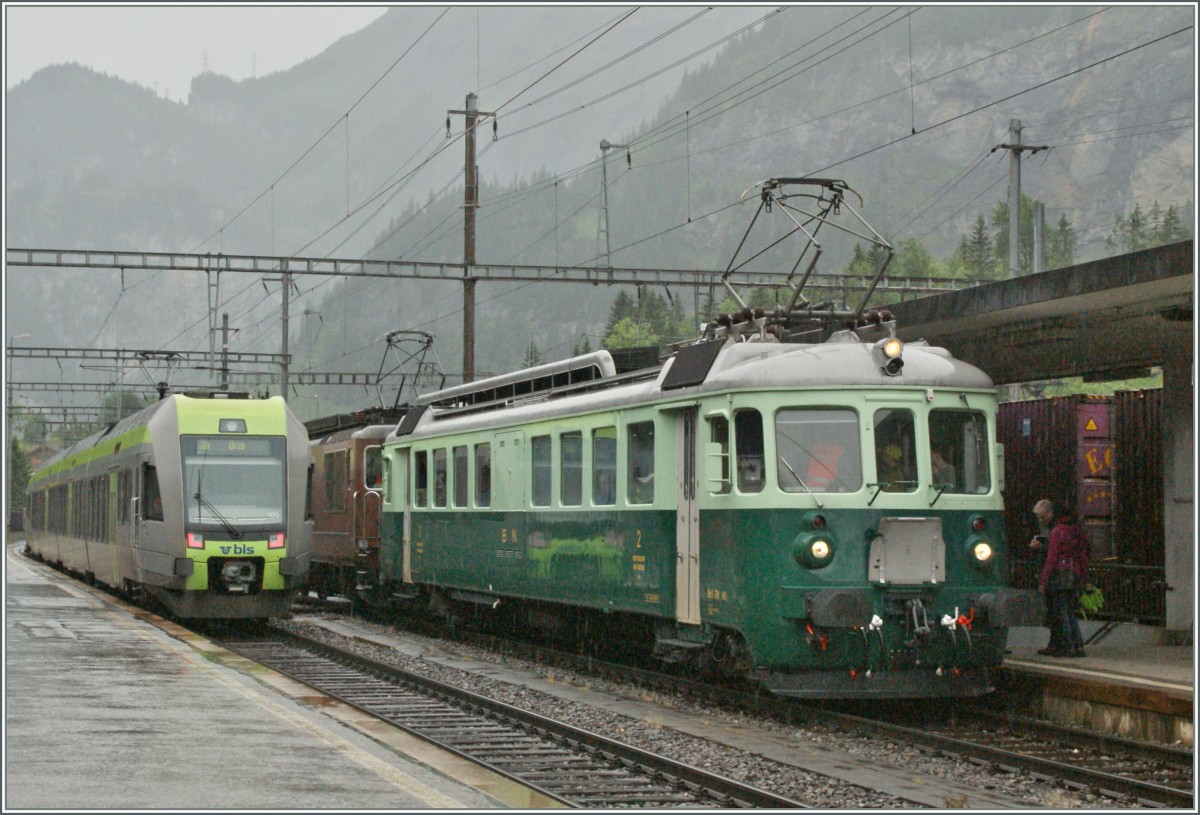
{"type": "Point", "coordinates": [1064, 575]}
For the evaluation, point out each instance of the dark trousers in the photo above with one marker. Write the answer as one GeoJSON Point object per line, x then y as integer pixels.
{"type": "Point", "coordinates": [1060, 617]}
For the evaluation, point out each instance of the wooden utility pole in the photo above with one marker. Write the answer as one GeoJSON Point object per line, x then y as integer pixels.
{"type": "Point", "coordinates": [470, 204]}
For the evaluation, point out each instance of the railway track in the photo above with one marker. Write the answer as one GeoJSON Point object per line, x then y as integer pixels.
{"type": "Point", "coordinates": [1152, 774]}
{"type": "Point", "coordinates": [576, 767]}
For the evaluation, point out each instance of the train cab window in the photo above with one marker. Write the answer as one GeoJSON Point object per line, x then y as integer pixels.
{"type": "Point", "coordinates": [539, 451]}
{"type": "Point", "coordinates": [895, 457]}
{"type": "Point", "coordinates": [817, 450]}
{"type": "Point", "coordinates": [460, 476]}
{"type": "Point", "coordinates": [373, 467]}
{"type": "Point", "coordinates": [334, 467]}
{"type": "Point", "coordinates": [420, 478]}
{"type": "Point", "coordinates": [483, 475]}
{"type": "Point", "coordinates": [748, 443]}
{"type": "Point", "coordinates": [151, 496]}
{"type": "Point", "coordinates": [718, 433]}
{"type": "Point", "coordinates": [571, 468]}
{"type": "Point", "coordinates": [958, 451]}
{"type": "Point", "coordinates": [640, 486]}
{"type": "Point", "coordinates": [604, 466]}
{"type": "Point", "coordinates": [439, 478]}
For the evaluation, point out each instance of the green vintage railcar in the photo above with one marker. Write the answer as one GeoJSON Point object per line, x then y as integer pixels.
{"type": "Point", "coordinates": [198, 501]}
{"type": "Point", "coordinates": [824, 518]}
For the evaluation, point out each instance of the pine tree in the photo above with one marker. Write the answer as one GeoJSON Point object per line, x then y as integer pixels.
{"type": "Point", "coordinates": [978, 258]}
{"type": "Point", "coordinates": [1060, 245]}
{"type": "Point", "coordinates": [623, 306]}
{"type": "Point", "coordinates": [532, 356]}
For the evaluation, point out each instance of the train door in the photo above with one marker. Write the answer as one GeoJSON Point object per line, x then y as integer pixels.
{"type": "Point", "coordinates": [402, 499]}
{"type": "Point", "coordinates": [112, 534]}
{"type": "Point", "coordinates": [687, 525]}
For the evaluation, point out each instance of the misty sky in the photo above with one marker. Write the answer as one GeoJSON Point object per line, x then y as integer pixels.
{"type": "Point", "coordinates": [164, 47]}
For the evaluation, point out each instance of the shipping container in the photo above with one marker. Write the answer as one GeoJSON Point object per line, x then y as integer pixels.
{"type": "Point", "coordinates": [1102, 455]}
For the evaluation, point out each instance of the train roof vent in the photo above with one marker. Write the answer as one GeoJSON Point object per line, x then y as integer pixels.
{"type": "Point", "coordinates": [497, 391]}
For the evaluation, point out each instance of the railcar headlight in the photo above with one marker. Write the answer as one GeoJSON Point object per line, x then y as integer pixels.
{"type": "Point", "coordinates": [982, 551]}
{"type": "Point", "coordinates": [813, 550]}
{"type": "Point", "coordinates": [888, 354]}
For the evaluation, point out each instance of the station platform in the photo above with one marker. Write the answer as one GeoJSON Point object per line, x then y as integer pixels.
{"type": "Point", "coordinates": [1127, 683]}
{"type": "Point", "coordinates": [109, 707]}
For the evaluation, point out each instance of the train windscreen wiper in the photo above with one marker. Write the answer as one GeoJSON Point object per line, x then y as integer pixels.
{"type": "Point", "coordinates": [230, 528]}
{"type": "Point", "coordinates": [800, 481]}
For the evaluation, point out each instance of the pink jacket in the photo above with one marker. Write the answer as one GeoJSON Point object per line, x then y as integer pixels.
{"type": "Point", "coordinates": [1069, 549]}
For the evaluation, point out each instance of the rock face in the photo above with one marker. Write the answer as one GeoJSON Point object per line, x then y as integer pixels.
{"type": "Point", "coordinates": [907, 109]}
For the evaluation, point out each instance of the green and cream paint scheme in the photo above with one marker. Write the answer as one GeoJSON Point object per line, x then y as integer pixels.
{"type": "Point", "coordinates": [774, 508]}
{"type": "Point", "coordinates": [197, 501]}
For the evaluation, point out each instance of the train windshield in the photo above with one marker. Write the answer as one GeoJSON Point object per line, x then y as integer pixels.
{"type": "Point", "coordinates": [958, 451]}
{"type": "Point", "coordinates": [234, 481]}
{"type": "Point", "coordinates": [818, 450]}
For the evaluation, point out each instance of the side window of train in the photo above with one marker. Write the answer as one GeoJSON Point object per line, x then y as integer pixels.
{"type": "Point", "coordinates": [959, 457]}
{"type": "Point", "coordinates": [817, 449]}
{"type": "Point", "coordinates": [439, 477]}
{"type": "Point", "coordinates": [483, 475]}
{"type": "Point", "coordinates": [335, 481]}
{"type": "Point", "coordinates": [748, 438]}
{"type": "Point", "coordinates": [718, 433]}
{"type": "Point", "coordinates": [571, 468]}
{"type": "Point", "coordinates": [151, 497]}
{"type": "Point", "coordinates": [373, 467]}
{"type": "Point", "coordinates": [895, 456]}
{"type": "Point", "coordinates": [640, 484]}
{"type": "Point", "coordinates": [460, 476]}
{"type": "Point", "coordinates": [539, 452]}
{"type": "Point", "coordinates": [604, 466]}
{"type": "Point", "coordinates": [309, 511]}
{"type": "Point", "coordinates": [420, 478]}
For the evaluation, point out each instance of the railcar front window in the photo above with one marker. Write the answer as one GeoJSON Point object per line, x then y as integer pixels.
{"type": "Point", "coordinates": [958, 451]}
{"type": "Point", "coordinates": [817, 450]}
{"type": "Point", "coordinates": [234, 480]}
{"type": "Point", "coordinates": [895, 456]}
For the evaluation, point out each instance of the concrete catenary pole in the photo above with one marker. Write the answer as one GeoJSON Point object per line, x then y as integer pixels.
{"type": "Point", "coordinates": [470, 204]}
{"type": "Point", "coordinates": [1014, 197]}
{"type": "Point", "coordinates": [1039, 237]}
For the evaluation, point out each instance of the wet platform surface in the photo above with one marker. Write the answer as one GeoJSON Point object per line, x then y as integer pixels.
{"type": "Point", "coordinates": [105, 711]}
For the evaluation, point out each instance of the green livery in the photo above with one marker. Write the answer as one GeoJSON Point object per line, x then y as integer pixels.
{"type": "Point", "coordinates": [806, 515]}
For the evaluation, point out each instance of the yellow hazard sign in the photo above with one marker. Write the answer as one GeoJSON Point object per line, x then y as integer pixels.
{"type": "Point", "coordinates": [1091, 424]}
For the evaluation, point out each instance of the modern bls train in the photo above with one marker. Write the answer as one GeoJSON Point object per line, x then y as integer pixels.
{"type": "Point", "coordinates": [198, 501]}
{"type": "Point", "coordinates": [824, 518]}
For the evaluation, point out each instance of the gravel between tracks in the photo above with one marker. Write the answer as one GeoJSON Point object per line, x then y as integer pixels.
{"type": "Point", "coordinates": [802, 785]}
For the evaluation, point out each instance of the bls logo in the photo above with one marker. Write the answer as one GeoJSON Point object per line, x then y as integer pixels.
{"type": "Point", "coordinates": [238, 549]}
